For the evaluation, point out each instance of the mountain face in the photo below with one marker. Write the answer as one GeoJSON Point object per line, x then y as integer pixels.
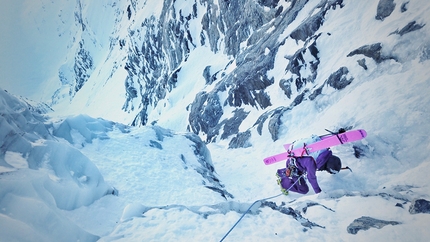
{"type": "Point", "coordinates": [273, 50]}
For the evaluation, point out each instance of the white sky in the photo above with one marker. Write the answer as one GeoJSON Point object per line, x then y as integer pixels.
{"type": "Point", "coordinates": [29, 48]}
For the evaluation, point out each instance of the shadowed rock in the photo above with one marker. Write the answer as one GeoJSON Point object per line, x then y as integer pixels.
{"type": "Point", "coordinates": [373, 51]}
{"type": "Point", "coordinates": [365, 223]}
{"type": "Point", "coordinates": [385, 8]}
{"type": "Point", "coordinates": [338, 80]}
{"type": "Point", "coordinates": [419, 206]}
{"type": "Point", "coordinates": [411, 26]}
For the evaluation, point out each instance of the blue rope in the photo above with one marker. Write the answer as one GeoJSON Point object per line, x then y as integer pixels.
{"type": "Point", "coordinates": [243, 215]}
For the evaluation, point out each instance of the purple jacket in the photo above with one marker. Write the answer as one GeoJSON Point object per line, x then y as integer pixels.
{"type": "Point", "coordinates": [310, 166]}
{"type": "Point", "coordinates": [323, 158]}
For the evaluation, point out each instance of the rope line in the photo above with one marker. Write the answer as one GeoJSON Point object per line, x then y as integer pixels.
{"type": "Point", "coordinates": [243, 215]}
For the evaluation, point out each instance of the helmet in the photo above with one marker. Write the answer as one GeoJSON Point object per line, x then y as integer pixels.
{"type": "Point", "coordinates": [333, 165]}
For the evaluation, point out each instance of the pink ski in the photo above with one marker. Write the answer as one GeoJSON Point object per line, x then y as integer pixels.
{"type": "Point", "coordinates": [287, 146]}
{"type": "Point", "coordinates": [327, 142]}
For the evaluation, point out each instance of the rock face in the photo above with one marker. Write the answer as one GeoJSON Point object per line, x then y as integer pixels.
{"type": "Point", "coordinates": [154, 55]}
{"type": "Point", "coordinates": [260, 39]}
{"type": "Point", "coordinates": [247, 88]}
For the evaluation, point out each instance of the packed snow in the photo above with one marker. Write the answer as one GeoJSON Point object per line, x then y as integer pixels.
{"type": "Point", "coordinates": [71, 174]}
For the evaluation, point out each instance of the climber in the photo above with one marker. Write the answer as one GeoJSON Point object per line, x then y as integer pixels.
{"type": "Point", "coordinates": [292, 179]}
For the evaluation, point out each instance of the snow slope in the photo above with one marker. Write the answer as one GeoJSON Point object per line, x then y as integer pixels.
{"type": "Point", "coordinates": [76, 177]}
{"type": "Point", "coordinates": [162, 198]}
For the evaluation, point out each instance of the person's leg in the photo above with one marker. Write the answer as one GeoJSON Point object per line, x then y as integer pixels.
{"type": "Point", "coordinates": [291, 185]}
{"type": "Point", "coordinates": [299, 187]}
{"type": "Point", "coordinates": [302, 187]}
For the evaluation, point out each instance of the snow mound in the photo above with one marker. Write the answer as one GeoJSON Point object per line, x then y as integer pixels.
{"type": "Point", "coordinates": [39, 175]}
{"type": "Point", "coordinates": [81, 129]}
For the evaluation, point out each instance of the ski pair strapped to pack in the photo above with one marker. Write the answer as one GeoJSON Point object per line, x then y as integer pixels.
{"type": "Point", "coordinates": [326, 141]}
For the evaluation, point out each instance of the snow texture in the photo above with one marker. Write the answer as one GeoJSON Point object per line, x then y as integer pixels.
{"type": "Point", "coordinates": [151, 119]}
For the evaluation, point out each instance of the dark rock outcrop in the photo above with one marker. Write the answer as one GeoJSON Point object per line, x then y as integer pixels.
{"type": "Point", "coordinates": [365, 223]}
{"type": "Point", "coordinates": [384, 9]}
{"type": "Point", "coordinates": [362, 63]}
{"type": "Point", "coordinates": [338, 79]}
{"type": "Point", "coordinates": [231, 125]}
{"type": "Point", "coordinates": [419, 206]}
{"type": "Point", "coordinates": [291, 212]}
{"type": "Point", "coordinates": [404, 7]}
{"type": "Point", "coordinates": [208, 77]}
{"type": "Point", "coordinates": [298, 64]}
{"type": "Point", "coordinates": [373, 51]}
{"type": "Point", "coordinates": [205, 112]}
{"type": "Point", "coordinates": [411, 26]}
{"type": "Point", "coordinates": [241, 140]}
{"type": "Point", "coordinates": [206, 168]}
{"type": "Point", "coordinates": [83, 67]}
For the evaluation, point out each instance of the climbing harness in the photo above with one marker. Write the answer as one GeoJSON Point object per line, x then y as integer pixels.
{"type": "Point", "coordinates": [292, 170]}
{"type": "Point", "coordinates": [264, 199]}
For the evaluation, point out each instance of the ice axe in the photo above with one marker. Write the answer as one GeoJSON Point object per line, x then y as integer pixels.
{"type": "Point", "coordinates": [346, 168]}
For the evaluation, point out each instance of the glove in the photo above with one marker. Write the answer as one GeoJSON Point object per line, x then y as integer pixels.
{"type": "Point", "coordinates": [284, 191]}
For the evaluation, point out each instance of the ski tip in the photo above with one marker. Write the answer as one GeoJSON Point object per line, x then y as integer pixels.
{"type": "Point", "coordinates": [269, 160]}
{"type": "Point", "coordinates": [363, 133]}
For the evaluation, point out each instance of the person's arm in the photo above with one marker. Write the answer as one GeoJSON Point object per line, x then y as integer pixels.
{"type": "Point", "coordinates": [311, 169]}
